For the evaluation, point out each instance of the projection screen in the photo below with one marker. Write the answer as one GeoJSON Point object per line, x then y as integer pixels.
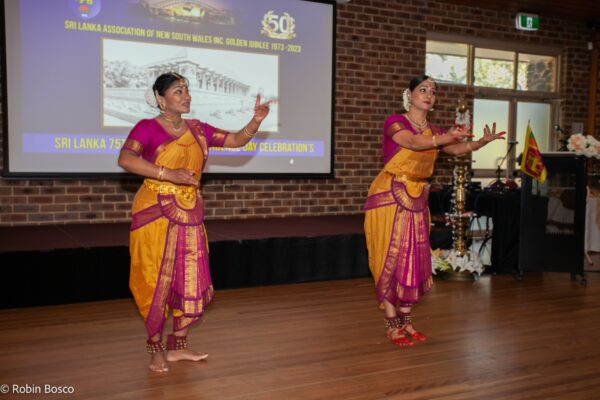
{"type": "Point", "coordinates": [76, 72]}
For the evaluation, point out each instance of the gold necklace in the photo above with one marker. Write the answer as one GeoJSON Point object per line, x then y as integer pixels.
{"type": "Point", "coordinates": [415, 123]}
{"type": "Point", "coordinates": [175, 127]}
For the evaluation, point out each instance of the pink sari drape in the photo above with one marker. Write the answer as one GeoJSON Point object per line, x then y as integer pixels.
{"type": "Point", "coordinates": [168, 245]}
{"type": "Point", "coordinates": [397, 219]}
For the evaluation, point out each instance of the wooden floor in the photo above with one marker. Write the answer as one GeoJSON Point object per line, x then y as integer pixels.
{"type": "Point", "coordinates": [492, 339]}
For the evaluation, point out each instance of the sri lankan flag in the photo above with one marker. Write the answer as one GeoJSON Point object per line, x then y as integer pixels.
{"type": "Point", "coordinates": [532, 163]}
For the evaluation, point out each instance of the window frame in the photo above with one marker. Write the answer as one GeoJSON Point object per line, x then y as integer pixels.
{"type": "Point", "coordinates": [513, 95]}
{"type": "Point", "coordinates": [517, 48]}
{"type": "Point", "coordinates": [509, 163]}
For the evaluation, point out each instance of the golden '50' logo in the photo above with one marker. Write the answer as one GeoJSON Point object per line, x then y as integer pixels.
{"type": "Point", "coordinates": [278, 27]}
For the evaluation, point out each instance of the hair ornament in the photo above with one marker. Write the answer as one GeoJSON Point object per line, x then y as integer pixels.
{"type": "Point", "coordinates": [406, 99]}
{"type": "Point", "coordinates": [151, 98]}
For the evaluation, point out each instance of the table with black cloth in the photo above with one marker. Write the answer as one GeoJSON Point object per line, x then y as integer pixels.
{"type": "Point", "coordinates": [504, 209]}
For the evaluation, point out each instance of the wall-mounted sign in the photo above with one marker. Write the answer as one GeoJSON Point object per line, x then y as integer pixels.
{"type": "Point", "coordinates": [527, 22]}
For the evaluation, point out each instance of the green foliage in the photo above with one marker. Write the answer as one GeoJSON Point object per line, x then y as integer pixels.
{"type": "Point", "coordinates": [493, 73]}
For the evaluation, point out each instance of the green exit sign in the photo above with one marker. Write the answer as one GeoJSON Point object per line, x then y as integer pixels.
{"type": "Point", "coordinates": [527, 22]}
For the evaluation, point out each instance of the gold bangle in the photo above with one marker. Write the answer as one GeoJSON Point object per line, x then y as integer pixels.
{"type": "Point", "coordinates": [247, 133]}
{"type": "Point", "coordinates": [434, 141]}
{"type": "Point", "coordinates": [161, 171]}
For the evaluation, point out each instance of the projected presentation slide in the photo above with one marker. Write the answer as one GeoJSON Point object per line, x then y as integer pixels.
{"type": "Point", "coordinates": [77, 72]}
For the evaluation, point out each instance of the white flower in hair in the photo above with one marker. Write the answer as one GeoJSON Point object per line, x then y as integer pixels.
{"type": "Point", "coordinates": [406, 99]}
{"type": "Point", "coordinates": [151, 98]}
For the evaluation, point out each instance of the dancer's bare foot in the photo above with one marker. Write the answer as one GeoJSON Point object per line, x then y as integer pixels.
{"type": "Point", "coordinates": [158, 362]}
{"type": "Point", "coordinates": [185, 355]}
{"type": "Point", "coordinates": [395, 333]}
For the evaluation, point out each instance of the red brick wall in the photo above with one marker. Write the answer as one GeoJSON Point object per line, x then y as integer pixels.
{"type": "Point", "coordinates": [380, 47]}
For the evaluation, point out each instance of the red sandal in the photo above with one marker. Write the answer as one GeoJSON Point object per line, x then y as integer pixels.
{"type": "Point", "coordinates": [405, 319]}
{"type": "Point", "coordinates": [394, 323]}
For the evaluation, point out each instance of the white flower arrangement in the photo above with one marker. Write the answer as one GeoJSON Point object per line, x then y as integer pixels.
{"type": "Point", "coordinates": [449, 260]}
{"type": "Point", "coordinates": [585, 145]}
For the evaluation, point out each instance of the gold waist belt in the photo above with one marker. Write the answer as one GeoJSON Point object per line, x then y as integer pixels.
{"type": "Point", "coordinates": [405, 178]}
{"type": "Point", "coordinates": [185, 192]}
